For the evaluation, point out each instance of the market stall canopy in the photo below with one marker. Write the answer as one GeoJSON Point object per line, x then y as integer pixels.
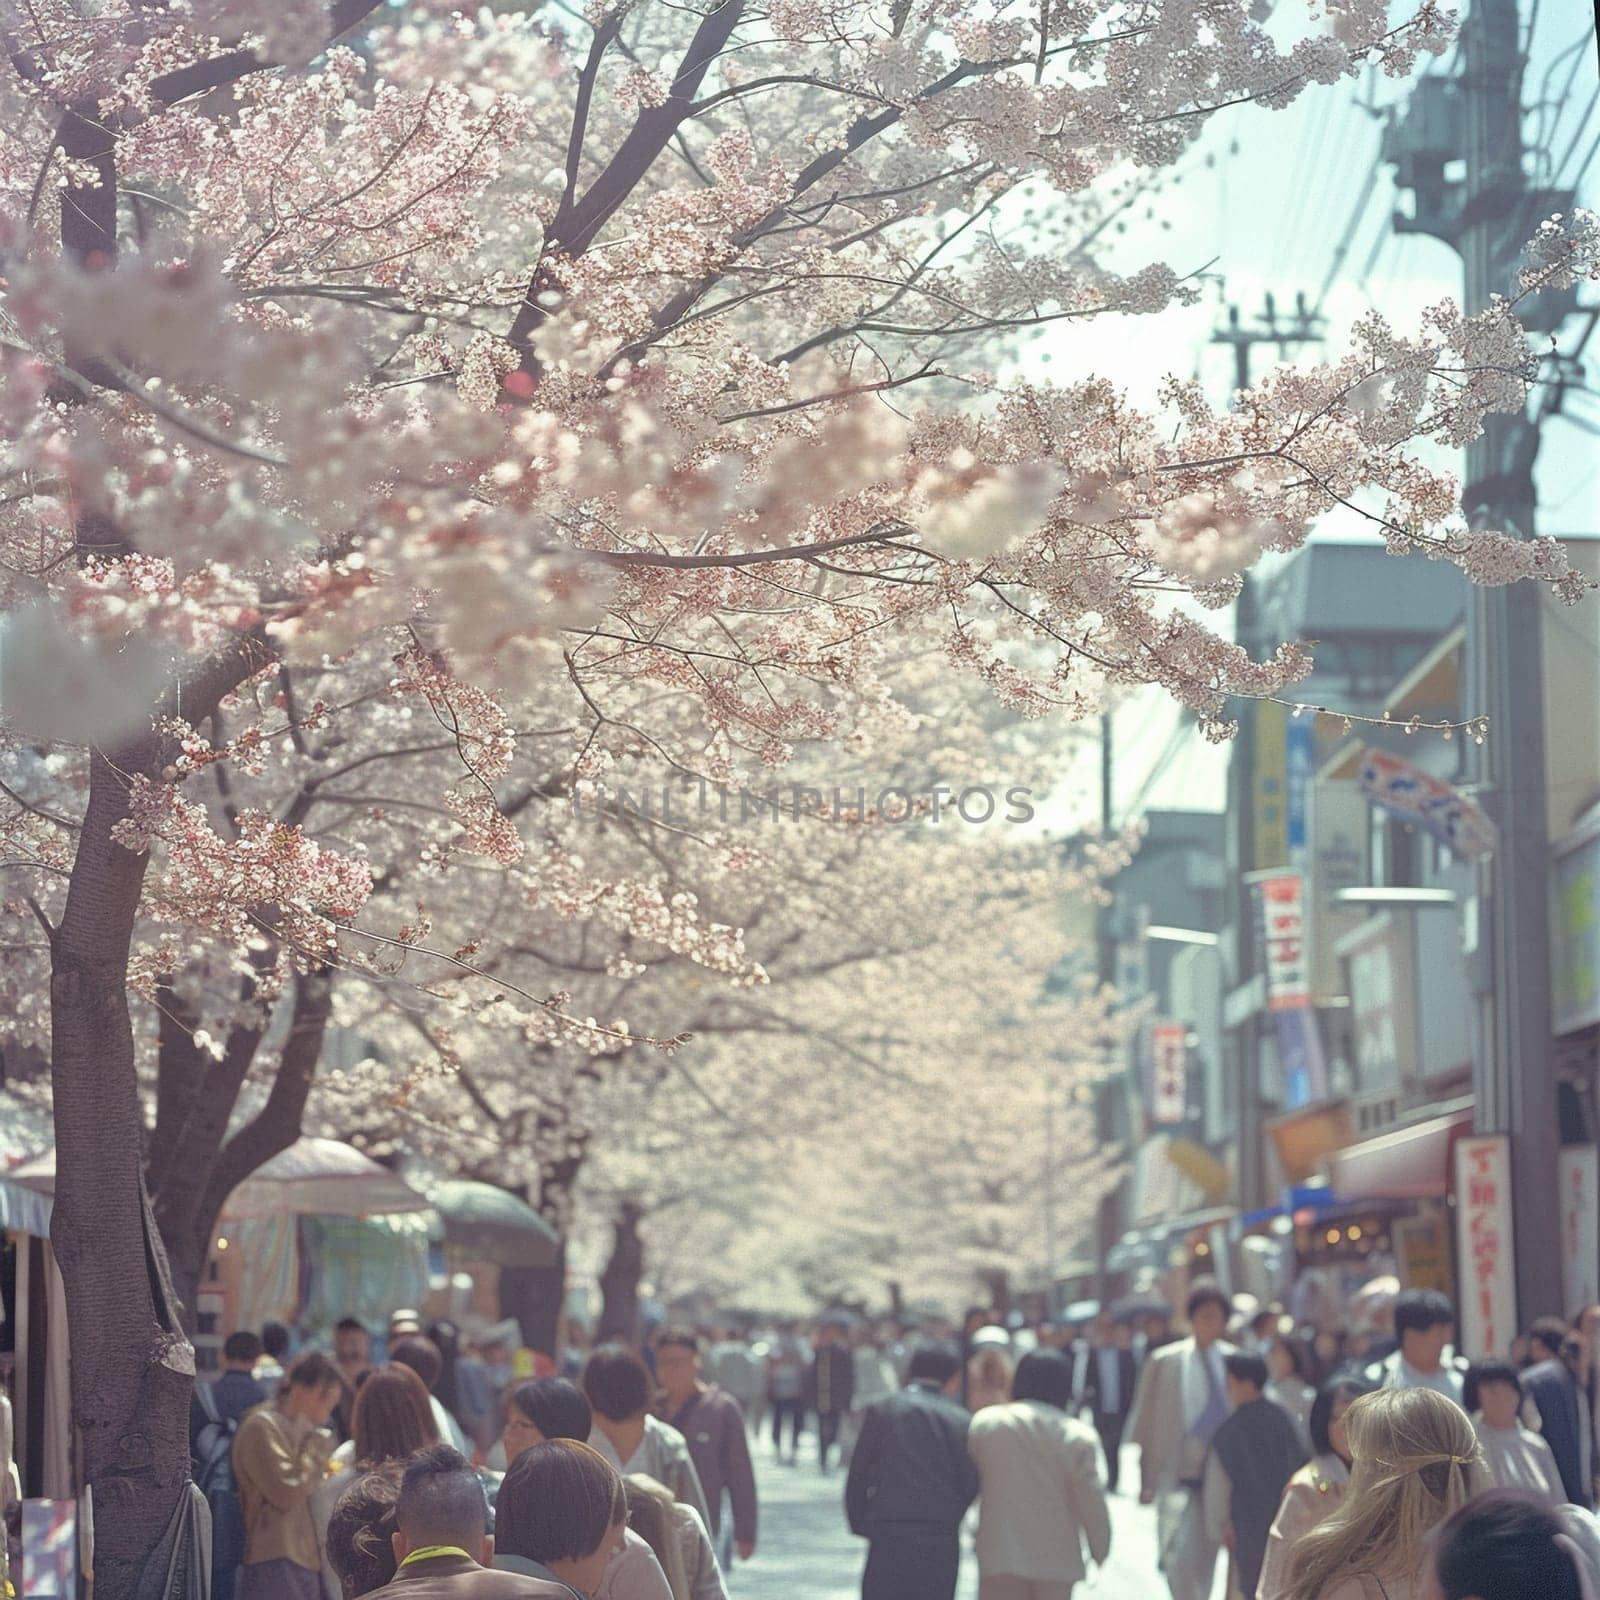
{"type": "Point", "coordinates": [492, 1224]}
{"type": "Point", "coordinates": [312, 1178]}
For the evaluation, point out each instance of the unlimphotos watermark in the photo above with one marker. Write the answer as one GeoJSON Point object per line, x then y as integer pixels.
{"type": "Point", "coordinates": [694, 800]}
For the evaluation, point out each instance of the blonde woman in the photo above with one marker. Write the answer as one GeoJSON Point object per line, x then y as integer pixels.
{"type": "Point", "coordinates": [1413, 1460]}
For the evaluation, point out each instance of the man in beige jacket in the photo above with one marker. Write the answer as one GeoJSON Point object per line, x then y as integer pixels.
{"type": "Point", "coordinates": [1180, 1402]}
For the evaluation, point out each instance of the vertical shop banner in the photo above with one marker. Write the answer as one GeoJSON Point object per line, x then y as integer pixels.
{"type": "Point", "coordinates": [1422, 1253]}
{"type": "Point", "coordinates": [1281, 919]}
{"type": "Point", "coordinates": [1298, 758]}
{"type": "Point", "coordinates": [1579, 1176]}
{"type": "Point", "coordinates": [1169, 1073]}
{"type": "Point", "coordinates": [1484, 1244]}
{"type": "Point", "coordinates": [1270, 812]}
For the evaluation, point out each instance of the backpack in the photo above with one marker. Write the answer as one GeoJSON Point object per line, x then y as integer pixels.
{"type": "Point", "coordinates": [213, 1475]}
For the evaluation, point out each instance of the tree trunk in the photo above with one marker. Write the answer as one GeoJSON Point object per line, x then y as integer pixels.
{"type": "Point", "coordinates": [132, 1367]}
{"type": "Point", "coordinates": [534, 1296]}
{"type": "Point", "coordinates": [619, 1283]}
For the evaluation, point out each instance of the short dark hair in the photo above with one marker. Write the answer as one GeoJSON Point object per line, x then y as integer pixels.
{"type": "Point", "coordinates": [357, 1543]}
{"type": "Point", "coordinates": [1243, 1367]}
{"type": "Point", "coordinates": [1208, 1292]}
{"type": "Point", "coordinates": [1550, 1332]}
{"type": "Point", "coordinates": [557, 1502]}
{"type": "Point", "coordinates": [441, 1499]}
{"type": "Point", "coordinates": [1043, 1375]}
{"type": "Point", "coordinates": [1418, 1310]}
{"type": "Point", "coordinates": [1502, 1546]}
{"type": "Point", "coordinates": [1490, 1370]}
{"type": "Point", "coordinates": [421, 1355]}
{"type": "Point", "coordinates": [242, 1345]}
{"type": "Point", "coordinates": [934, 1361]}
{"type": "Point", "coordinates": [391, 1417]}
{"type": "Point", "coordinates": [682, 1338]}
{"type": "Point", "coordinates": [555, 1407]}
{"type": "Point", "coordinates": [616, 1382]}
{"type": "Point", "coordinates": [351, 1325]}
{"type": "Point", "coordinates": [1297, 1354]}
{"type": "Point", "coordinates": [1339, 1387]}
{"type": "Point", "coordinates": [275, 1340]}
{"type": "Point", "coordinates": [311, 1369]}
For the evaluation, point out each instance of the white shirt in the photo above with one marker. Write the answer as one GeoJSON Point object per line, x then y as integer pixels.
{"type": "Point", "coordinates": [1110, 1378]}
{"type": "Point", "coordinates": [1400, 1374]}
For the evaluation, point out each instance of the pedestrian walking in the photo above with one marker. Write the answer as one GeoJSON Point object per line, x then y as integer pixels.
{"type": "Point", "coordinates": [423, 1356]}
{"type": "Point", "coordinates": [1107, 1390]}
{"type": "Point", "coordinates": [441, 1543]}
{"type": "Point", "coordinates": [391, 1422]}
{"type": "Point", "coordinates": [1414, 1460]}
{"type": "Point", "coordinates": [830, 1381]}
{"type": "Point", "coordinates": [616, 1384]}
{"type": "Point", "coordinates": [874, 1380]}
{"type": "Point", "coordinates": [1254, 1453]}
{"type": "Point", "coordinates": [360, 1539]}
{"type": "Point", "coordinates": [1507, 1545]}
{"type": "Point", "coordinates": [712, 1423]}
{"type": "Point", "coordinates": [1040, 1501]}
{"type": "Point", "coordinates": [786, 1383]}
{"type": "Point", "coordinates": [732, 1365]}
{"type": "Point", "coordinates": [989, 1368]}
{"type": "Point", "coordinates": [1288, 1381]}
{"type": "Point", "coordinates": [560, 1516]}
{"type": "Point", "coordinates": [1317, 1490]}
{"type": "Point", "coordinates": [1178, 1406]}
{"type": "Point", "coordinates": [280, 1456]}
{"type": "Point", "coordinates": [1560, 1395]}
{"type": "Point", "coordinates": [1424, 1323]}
{"type": "Point", "coordinates": [352, 1354]}
{"type": "Point", "coordinates": [911, 1481]}
{"type": "Point", "coordinates": [1517, 1457]}
{"type": "Point", "coordinates": [695, 1573]}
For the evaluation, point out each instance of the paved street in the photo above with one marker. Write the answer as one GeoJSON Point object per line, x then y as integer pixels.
{"type": "Point", "coordinates": [807, 1553]}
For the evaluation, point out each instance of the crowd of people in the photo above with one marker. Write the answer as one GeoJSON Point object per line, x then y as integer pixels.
{"type": "Point", "coordinates": [1376, 1471]}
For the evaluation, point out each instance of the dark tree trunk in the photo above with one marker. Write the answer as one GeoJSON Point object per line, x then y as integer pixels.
{"type": "Point", "coordinates": [132, 1367]}
{"type": "Point", "coordinates": [534, 1295]}
{"type": "Point", "coordinates": [619, 1283]}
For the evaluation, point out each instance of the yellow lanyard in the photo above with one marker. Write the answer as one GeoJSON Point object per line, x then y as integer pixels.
{"type": "Point", "coordinates": [433, 1552]}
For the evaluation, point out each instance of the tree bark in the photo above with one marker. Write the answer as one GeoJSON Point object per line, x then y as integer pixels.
{"type": "Point", "coordinates": [619, 1283]}
{"type": "Point", "coordinates": [534, 1296]}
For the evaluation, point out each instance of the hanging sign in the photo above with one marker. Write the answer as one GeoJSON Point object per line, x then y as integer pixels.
{"type": "Point", "coordinates": [1169, 1082]}
{"type": "Point", "coordinates": [1429, 803]}
{"type": "Point", "coordinates": [1484, 1244]}
{"type": "Point", "coordinates": [1578, 1175]}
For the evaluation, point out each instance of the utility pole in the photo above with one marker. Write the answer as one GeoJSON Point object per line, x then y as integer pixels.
{"type": "Point", "coordinates": [1485, 216]}
{"type": "Point", "coordinates": [1306, 327]}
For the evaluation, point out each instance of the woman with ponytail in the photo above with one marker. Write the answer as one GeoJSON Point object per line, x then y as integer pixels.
{"type": "Point", "coordinates": [1414, 1460]}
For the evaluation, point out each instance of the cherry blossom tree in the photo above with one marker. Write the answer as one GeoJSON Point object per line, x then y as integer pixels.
{"type": "Point", "coordinates": [623, 380]}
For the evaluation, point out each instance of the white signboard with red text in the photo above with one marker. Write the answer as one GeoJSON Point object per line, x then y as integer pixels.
{"type": "Point", "coordinates": [1579, 1179]}
{"type": "Point", "coordinates": [1484, 1245]}
{"type": "Point", "coordinates": [1169, 1085]}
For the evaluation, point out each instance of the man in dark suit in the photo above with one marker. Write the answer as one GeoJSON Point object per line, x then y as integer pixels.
{"type": "Point", "coordinates": [440, 1543]}
{"type": "Point", "coordinates": [1108, 1389]}
{"type": "Point", "coordinates": [830, 1385]}
{"type": "Point", "coordinates": [1560, 1391]}
{"type": "Point", "coordinates": [911, 1481]}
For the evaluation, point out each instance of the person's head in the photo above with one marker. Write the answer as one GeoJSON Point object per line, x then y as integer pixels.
{"type": "Point", "coordinates": [403, 1322]}
{"type": "Point", "coordinates": [652, 1514]}
{"type": "Point", "coordinates": [1246, 1377]}
{"type": "Point", "coordinates": [275, 1340]}
{"type": "Point", "coordinates": [678, 1362]}
{"type": "Point", "coordinates": [1043, 1375]}
{"type": "Point", "coordinates": [1286, 1358]}
{"type": "Point", "coordinates": [311, 1388]}
{"type": "Point", "coordinates": [352, 1347]}
{"type": "Point", "coordinates": [935, 1361]}
{"type": "Point", "coordinates": [441, 1502]}
{"type": "Point", "coordinates": [421, 1355]}
{"type": "Point", "coordinates": [392, 1418]}
{"type": "Point", "coordinates": [1207, 1310]}
{"type": "Point", "coordinates": [241, 1350]}
{"type": "Point", "coordinates": [1413, 1460]}
{"type": "Point", "coordinates": [1155, 1324]}
{"type": "Point", "coordinates": [359, 1543]}
{"type": "Point", "coordinates": [1103, 1330]}
{"type": "Point", "coordinates": [1545, 1338]}
{"type": "Point", "coordinates": [1424, 1320]}
{"type": "Point", "coordinates": [544, 1408]}
{"type": "Point", "coordinates": [1264, 1324]}
{"type": "Point", "coordinates": [1326, 1422]}
{"type": "Point", "coordinates": [1505, 1545]}
{"type": "Point", "coordinates": [1493, 1388]}
{"type": "Point", "coordinates": [1575, 1353]}
{"type": "Point", "coordinates": [562, 1504]}
{"type": "Point", "coordinates": [617, 1383]}
{"type": "Point", "coordinates": [1587, 1322]}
